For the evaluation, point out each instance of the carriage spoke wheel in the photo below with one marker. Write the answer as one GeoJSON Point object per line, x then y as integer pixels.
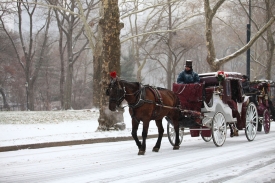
{"type": "Point", "coordinates": [219, 129]}
{"type": "Point", "coordinates": [172, 134]}
{"type": "Point", "coordinates": [266, 121]}
{"type": "Point", "coordinates": [251, 122]}
{"type": "Point", "coordinates": [206, 139]}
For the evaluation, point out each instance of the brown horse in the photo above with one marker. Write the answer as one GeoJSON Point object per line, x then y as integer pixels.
{"type": "Point", "coordinates": [145, 103]}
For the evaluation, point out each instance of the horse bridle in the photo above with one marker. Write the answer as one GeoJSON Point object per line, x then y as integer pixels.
{"type": "Point", "coordinates": [118, 99]}
{"type": "Point", "coordinates": [112, 86]}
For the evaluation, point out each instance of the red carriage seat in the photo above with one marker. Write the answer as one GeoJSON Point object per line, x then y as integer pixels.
{"type": "Point", "coordinates": [190, 95]}
{"type": "Point", "coordinates": [209, 94]}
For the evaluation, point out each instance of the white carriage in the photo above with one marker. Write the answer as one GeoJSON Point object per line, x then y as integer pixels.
{"type": "Point", "coordinates": [214, 104]}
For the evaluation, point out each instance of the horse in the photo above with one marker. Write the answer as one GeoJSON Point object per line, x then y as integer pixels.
{"type": "Point", "coordinates": [145, 103]}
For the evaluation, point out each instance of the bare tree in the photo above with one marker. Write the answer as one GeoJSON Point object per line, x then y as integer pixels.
{"type": "Point", "coordinates": [210, 13]}
{"type": "Point", "coordinates": [111, 27]}
{"type": "Point", "coordinates": [150, 25]}
{"type": "Point", "coordinates": [74, 44]}
{"type": "Point", "coordinates": [30, 60]}
{"type": "Point", "coordinates": [270, 44]}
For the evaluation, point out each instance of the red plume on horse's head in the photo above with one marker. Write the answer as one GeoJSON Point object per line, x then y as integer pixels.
{"type": "Point", "coordinates": [113, 74]}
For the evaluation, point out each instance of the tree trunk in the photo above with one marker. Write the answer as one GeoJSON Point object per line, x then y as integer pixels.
{"type": "Point", "coordinates": [30, 97]}
{"type": "Point", "coordinates": [68, 86]}
{"type": "Point", "coordinates": [270, 41]}
{"type": "Point", "coordinates": [6, 105]}
{"type": "Point", "coordinates": [97, 62]}
{"type": "Point", "coordinates": [62, 68]}
{"type": "Point", "coordinates": [69, 71]}
{"type": "Point", "coordinates": [211, 53]}
{"type": "Point", "coordinates": [169, 63]}
{"type": "Point", "coordinates": [110, 61]}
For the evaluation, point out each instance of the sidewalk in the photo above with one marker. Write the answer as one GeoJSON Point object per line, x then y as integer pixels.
{"type": "Point", "coordinates": [24, 136]}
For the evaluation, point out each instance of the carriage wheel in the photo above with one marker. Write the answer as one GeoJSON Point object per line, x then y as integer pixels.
{"type": "Point", "coordinates": [251, 121]}
{"type": "Point", "coordinates": [206, 139]}
{"type": "Point", "coordinates": [266, 121]}
{"type": "Point", "coordinates": [219, 129]}
{"type": "Point", "coordinates": [172, 134]}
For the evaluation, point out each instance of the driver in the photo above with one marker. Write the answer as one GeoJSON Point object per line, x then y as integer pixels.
{"type": "Point", "coordinates": [188, 75]}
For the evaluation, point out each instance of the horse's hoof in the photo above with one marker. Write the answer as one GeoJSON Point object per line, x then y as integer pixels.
{"type": "Point", "coordinates": [231, 135]}
{"type": "Point", "coordinates": [155, 149]}
{"type": "Point", "coordinates": [141, 152]}
{"type": "Point", "coordinates": [176, 147]}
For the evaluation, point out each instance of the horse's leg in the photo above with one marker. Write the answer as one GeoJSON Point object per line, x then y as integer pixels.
{"type": "Point", "coordinates": [142, 149]}
{"type": "Point", "coordinates": [160, 131]}
{"type": "Point", "coordinates": [231, 130]}
{"type": "Point", "coordinates": [236, 131]}
{"type": "Point", "coordinates": [177, 140]}
{"type": "Point", "coordinates": [135, 125]}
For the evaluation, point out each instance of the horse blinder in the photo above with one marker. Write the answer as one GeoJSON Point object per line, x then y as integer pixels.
{"type": "Point", "coordinates": [108, 92]}
{"type": "Point", "coordinates": [115, 92]}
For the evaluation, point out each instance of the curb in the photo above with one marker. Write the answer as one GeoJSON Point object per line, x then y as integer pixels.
{"type": "Point", "coordinates": [70, 143]}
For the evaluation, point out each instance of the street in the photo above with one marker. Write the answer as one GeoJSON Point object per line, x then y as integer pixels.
{"type": "Point", "coordinates": [196, 161]}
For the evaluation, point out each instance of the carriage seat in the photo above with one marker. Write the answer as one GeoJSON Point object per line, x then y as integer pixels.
{"type": "Point", "coordinates": [190, 95]}
{"type": "Point", "coordinates": [209, 94]}
{"type": "Point", "coordinates": [210, 82]}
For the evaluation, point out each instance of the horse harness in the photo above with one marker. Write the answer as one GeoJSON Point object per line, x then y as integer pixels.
{"type": "Point", "coordinates": [141, 92]}
{"type": "Point", "coordinates": [142, 100]}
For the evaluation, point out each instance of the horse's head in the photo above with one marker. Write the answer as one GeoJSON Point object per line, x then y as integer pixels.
{"type": "Point", "coordinates": [115, 92]}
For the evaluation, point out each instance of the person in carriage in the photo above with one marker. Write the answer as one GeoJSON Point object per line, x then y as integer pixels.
{"type": "Point", "coordinates": [188, 75]}
{"type": "Point", "coordinates": [245, 84]}
{"type": "Point", "coordinates": [248, 90]}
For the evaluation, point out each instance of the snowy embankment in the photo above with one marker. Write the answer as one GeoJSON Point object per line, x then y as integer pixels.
{"type": "Point", "coordinates": [35, 117]}
{"type": "Point", "coordinates": [30, 127]}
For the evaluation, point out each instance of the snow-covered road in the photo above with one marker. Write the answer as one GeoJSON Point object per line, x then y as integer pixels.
{"type": "Point", "coordinates": [197, 161]}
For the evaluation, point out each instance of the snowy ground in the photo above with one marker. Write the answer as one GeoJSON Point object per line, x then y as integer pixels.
{"type": "Point", "coordinates": [237, 161]}
{"type": "Point", "coordinates": [19, 128]}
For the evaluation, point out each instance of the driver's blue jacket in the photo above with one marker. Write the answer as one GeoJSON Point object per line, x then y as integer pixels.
{"type": "Point", "coordinates": [186, 77]}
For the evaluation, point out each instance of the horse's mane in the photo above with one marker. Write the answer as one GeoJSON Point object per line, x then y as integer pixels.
{"type": "Point", "coordinates": [130, 82]}
{"type": "Point", "coordinates": [138, 83]}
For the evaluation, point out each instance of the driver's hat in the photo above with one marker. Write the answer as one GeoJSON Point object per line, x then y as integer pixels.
{"type": "Point", "coordinates": [188, 63]}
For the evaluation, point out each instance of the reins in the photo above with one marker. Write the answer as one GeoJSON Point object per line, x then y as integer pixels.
{"type": "Point", "coordinates": [141, 98]}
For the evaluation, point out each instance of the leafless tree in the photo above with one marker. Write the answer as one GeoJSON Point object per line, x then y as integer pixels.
{"type": "Point", "coordinates": [164, 20]}
{"type": "Point", "coordinates": [111, 26]}
{"type": "Point", "coordinates": [72, 28]}
{"type": "Point", "coordinates": [210, 13]}
{"type": "Point", "coordinates": [29, 57]}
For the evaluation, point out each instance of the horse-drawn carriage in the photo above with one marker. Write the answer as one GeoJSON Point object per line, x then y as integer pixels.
{"type": "Point", "coordinates": [207, 108]}
{"type": "Point", "coordinates": [213, 104]}
{"type": "Point", "coordinates": [262, 92]}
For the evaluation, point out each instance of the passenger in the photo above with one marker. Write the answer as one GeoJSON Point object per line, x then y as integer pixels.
{"type": "Point", "coordinates": [245, 84]}
{"type": "Point", "coordinates": [188, 75]}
